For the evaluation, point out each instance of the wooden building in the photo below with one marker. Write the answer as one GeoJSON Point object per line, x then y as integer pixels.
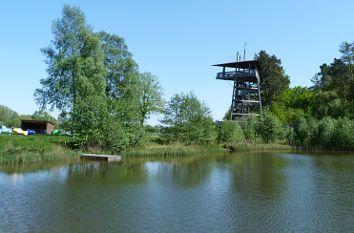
{"type": "Point", "coordinates": [246, 96]}
{"type": "Point", "coordinates": [40, 126]}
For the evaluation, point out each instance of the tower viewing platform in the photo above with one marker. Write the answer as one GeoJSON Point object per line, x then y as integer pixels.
{"type": "Point", "coordinates": [246, 97]}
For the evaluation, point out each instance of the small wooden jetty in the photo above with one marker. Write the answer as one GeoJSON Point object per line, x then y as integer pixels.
{"type": "Point", "coordinates": [108, 158]}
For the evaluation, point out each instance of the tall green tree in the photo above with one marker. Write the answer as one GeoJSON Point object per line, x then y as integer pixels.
{"type": "Point", "coordinates": [123, 90]}
{"type": "Point", "coordinates": [75, 82]}
{"type": "Point", "coordinates": [347, 50]}
{"type": "Point", "coordinates": [188, 120]}
{"type": "Point", "coordinates": [334, 85]}
{"type": "Point", "coordinates": [151, 96]}
{"type": "Point", "coordinates": [273, 78]}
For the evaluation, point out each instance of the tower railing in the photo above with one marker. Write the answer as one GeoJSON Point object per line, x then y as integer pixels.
{"type": "Point", "coordinates": [231, 75]}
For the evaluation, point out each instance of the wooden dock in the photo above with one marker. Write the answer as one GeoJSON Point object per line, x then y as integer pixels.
{"type": "Point", "coordinates": [108, 158]}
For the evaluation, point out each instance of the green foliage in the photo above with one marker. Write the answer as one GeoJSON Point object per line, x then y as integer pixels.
{"type": "Point", "coordinates": [327, 103]}
{"type": "Point", "coordinates": [284, 114]}
{"type": "Point", "coordinates": [230, 132]}
{"type": "Point", "coordinates": [188, 121]}
{"type": "Point", "coordinates": [273, 78]}
{"type": "Point", "coordinates": [342, 137]}
{"type": "Point", "coordinates": [266, 129]}
{"type": "Point", "coordinates": [297, 98]}
{"type": "Point", "coordinates": [93, 80]}
{"type": "Point", "coordinates": [322, 133]}
{"type": "Point", "coordinates": [151, 95]}
{"type": "Point", "coordinates": [43, 115]}
{"type": "Point", "coordinates": [333, 134]}
{"type": "Point", "coordinates": [303, 130]}
{"type": "Point", "coordinates": [269, 128]}
{"type": "Point", "coordinates": [321, 117]}
{"type": "Point", "coordinates": [17, 149]}
{"type": "Point", "coordinates": [8, 117]}
{"type": "Point", "coordinates": [123, 91]}
{"type": "Point", "coordinates": [327, 133]}
{"type": "Point", "coordinates": [334, 86]}
{"type": "Point", "coordinates": [249, 128]}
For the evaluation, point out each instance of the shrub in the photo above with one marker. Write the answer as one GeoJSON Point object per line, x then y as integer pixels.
{"type": "Point", "coordinates": [269, 128]}
{"type": "Point", "coordinates": [229, 132]}
{"type": "Point", "coordinates": [249, 128]}
{"type": "Point", "coordinates": [322, 133]}
{"type": "Point", "coordinates": [343, 135]}
{"type": "Point", "coordinates": [188, 121]}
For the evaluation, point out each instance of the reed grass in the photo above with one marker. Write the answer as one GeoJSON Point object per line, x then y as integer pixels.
{"type": "Point", "coordinates": [16, 149]}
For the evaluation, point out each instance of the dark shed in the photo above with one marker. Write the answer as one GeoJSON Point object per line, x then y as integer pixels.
{"type": "Point", "coordinates": [40, 126]}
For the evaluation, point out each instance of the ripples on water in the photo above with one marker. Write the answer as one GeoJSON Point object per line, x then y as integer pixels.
{"type": "Point", "coordinates": [221, 193]}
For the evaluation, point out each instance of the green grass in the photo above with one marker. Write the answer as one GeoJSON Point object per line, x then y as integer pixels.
{"type": "Point", "coordinates": [17, 149]}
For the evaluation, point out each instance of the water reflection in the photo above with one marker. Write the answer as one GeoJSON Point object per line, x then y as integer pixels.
{"type": "Point", "coordinates": [216, 193]}
{"type": "Point", "coordinates": [107, 173]}
{"type": "Point", "coordinates": [257, 173]}
{"type": "Point", "coordinates": [184, 174]}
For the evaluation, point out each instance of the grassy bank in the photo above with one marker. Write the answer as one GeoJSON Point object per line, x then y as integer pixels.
{"type": "Point", "coordinates": [16, 149]}
{"type": "Point", "coordinates": [179, 150]}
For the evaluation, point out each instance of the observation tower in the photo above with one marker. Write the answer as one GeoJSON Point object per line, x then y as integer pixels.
{"type": "Point", "coordinates": [246, 96]}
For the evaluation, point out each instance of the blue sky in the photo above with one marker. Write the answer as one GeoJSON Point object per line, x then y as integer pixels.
{"type": "Point", "coordinates": [178, 41]}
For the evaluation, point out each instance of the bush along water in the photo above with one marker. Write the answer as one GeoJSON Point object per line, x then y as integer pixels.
{"type": "Point", "coordinates": [305, 132]}
{"type": "Point", "coordinates": [327, 133]}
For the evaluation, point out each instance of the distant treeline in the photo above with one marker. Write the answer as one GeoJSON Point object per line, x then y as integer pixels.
{"type": "Point", "coordinates": [10, 118]}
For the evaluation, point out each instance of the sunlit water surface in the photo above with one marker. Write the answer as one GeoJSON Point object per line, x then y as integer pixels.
{"type": "Point", "coordinates": [214, 193]}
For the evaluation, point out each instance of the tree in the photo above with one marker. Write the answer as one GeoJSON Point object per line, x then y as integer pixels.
{"type": "Point", "coordinates": [188, 120]}
{"type": "Point", "coordinates": [8, 117]}
{"type": "Point", "coordinates": [333, 77]}
{"type": "Point", "coordinates": [123, 90]}
{"type": "Point", "coordinates": [120, 67]}
{"type": "Point", "coordinates": [292, 103]}
{"type": "Point", "coordinates": [336, 82]}
{"type": "Point", "coordinates": [297, 97]}
{"type": "Point", "coordinates": [43, 115]}
{"type": "Point", "coordinates": [273, 78]}
{"type": "Point", "coordinates": [75, 84]}
{"type": "Point", "coordinates": [347, 50]}
{"type": "Point", "coordinates": [328, 103]}
{"type": "Point", "coordinates": [151, 95]}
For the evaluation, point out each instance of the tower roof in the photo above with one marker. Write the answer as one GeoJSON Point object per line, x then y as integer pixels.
{"type": "Point", "coordinates": [249, 64]}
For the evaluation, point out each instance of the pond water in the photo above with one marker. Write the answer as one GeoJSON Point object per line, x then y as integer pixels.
{"type": "Point", "coordinates": [268, 192]}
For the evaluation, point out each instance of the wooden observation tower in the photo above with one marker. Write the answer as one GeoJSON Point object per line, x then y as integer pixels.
{"type": "Point", "coordinates": [246, 96]}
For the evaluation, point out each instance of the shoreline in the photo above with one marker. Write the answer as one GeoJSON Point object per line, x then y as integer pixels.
{"type": "Point", "coordinates": [20, 150]}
